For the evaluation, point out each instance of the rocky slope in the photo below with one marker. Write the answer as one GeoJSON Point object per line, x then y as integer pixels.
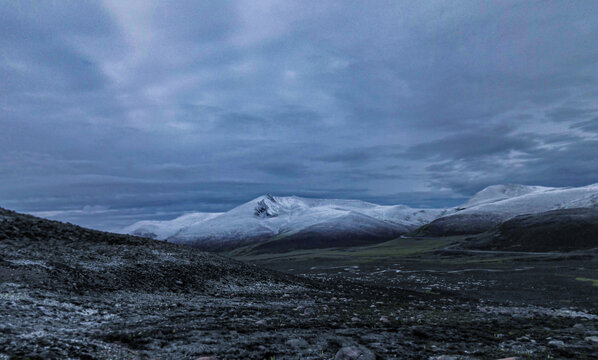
{"type": "Point", "coordinates": [70, 258]}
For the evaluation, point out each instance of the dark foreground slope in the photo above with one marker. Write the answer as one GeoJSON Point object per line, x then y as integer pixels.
{"type": "Point", "coordinates": [557, 230]}
{"type": "Point", "coordinates": [68, 258]}
{"type": "Point", "coordinates": [72, 293]}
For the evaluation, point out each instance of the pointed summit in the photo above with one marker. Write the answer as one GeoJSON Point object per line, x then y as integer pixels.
{"type": "Point", "coordinates": [264, 209]}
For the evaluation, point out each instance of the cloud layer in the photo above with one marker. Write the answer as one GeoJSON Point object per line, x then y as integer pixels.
{"type": "Point", "coordinates": [116, 110]}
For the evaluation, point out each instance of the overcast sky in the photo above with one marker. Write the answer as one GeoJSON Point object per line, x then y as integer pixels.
{"type": "Point", "coordinates": [116, 111]}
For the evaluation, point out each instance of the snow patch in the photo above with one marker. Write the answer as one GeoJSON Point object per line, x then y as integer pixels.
{"type": "Point", "coordinates": [24, 262]}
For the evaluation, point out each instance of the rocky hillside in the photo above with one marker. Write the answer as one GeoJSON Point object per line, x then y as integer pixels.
{"type": "Point", "coordinates": [66, 257]}
{"type": "Point", "coordinates": [71, 292]}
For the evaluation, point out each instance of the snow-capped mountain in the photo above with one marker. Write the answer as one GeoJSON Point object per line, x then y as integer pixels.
{"type": "Point", "coordinates": [293, 222]}
{"type": "Point", "coordinates": [290, 217]}
{"type": "Point", "coordinates": [499, 203]}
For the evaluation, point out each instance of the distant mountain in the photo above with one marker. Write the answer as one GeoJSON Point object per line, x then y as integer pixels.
{"type": "Point", "coordinates": [498, 203]}
{"type": "Point", "coordinates": [273, 224]}
{"type": "Point", "coordinates": [294, 222]}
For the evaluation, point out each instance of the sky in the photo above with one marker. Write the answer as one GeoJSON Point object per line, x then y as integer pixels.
{"type": "Point", "coordinates": [115, 111]}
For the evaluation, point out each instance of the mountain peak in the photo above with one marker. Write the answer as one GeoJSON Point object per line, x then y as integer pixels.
{"type": "Point", "coordinates": [265, 208]}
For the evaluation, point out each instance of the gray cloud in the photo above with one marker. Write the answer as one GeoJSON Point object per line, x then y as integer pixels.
{"type": "Point", "coordinates": [588, 125]}
{"type": "Point", "coordinates": [570, 113]}
{"type": "Point", "coordinates": [485, 142]}
{"type": "Point", "coordinates": [115, 111]}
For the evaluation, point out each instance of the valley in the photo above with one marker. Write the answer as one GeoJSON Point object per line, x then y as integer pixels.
{"type": "Point", "coordinates": [443, 265]}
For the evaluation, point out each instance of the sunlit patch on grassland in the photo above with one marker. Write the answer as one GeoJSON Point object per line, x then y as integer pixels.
{"type": "Point", "coordinates": [593, 281]}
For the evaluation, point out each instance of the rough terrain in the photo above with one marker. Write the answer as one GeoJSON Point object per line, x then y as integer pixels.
{"type": "Point", "coordinates": [68, 292]}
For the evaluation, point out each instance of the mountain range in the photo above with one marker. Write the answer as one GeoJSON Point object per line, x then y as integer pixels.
{"type": "Point", "coordinates": [274, 223]}
{"type": "Point", "coordinates": [305, 222]}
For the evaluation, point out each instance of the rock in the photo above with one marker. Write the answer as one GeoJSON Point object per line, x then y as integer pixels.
{"type": "Point", "coordinates": [384, 319]}
{"type": "Point", "coordinates": [298, 343]}
{"type": "Point", "coordinates": [556, 343]}
{"type": "Point", "coordinates": [592, 339]}
{"type": "Point", "coordinates": [354, 353]}
{"type": "Point", "coordinates": [47, 355]}
{"type": "Point", "coordinates": [261, 322]}
{"type": "Point", "coordinates": [355, 319]}
{"type": "Point", "coordinates": [419, 332]}
{"type": "Point", "coordinates": [308, 312]}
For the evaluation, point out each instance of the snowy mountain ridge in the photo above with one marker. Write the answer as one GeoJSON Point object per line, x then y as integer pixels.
{"type": "Point", "coordinates": [299, 218]}
{"type": "Point", "coordinates": [521, 199]}
{"type": "Point", "coordinates": [499, 203]}
{"type": "Point", "coordinates": [268, 216]}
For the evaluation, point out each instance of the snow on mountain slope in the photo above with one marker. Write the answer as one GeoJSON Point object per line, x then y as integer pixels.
{"type": "Point", "coordinates": [588, 201]}
{"type": "Point", "coordinates": [496, 193]}
{"type": "Point", "coordinates": [268, 216]}
{"type": "Point", "coordinates": [160, 230]}
{"type": "Point", "coordinates": [499, 203]}
{"type": "Point", "coordinates": [533, 199]}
